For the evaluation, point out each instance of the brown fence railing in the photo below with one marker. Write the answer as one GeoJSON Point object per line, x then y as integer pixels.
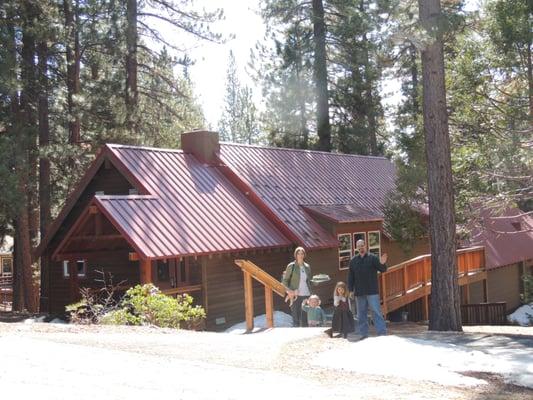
{"type": "Point", "coordinates": [271, 284]}
{"type": "Point", "coordinates": [484, 313]}
{"type": "Point", "coordinates": [410, 280]}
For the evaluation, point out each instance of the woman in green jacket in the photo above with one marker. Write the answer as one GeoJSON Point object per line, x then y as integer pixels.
{"type": "Point", "coordinates": [296, 280]}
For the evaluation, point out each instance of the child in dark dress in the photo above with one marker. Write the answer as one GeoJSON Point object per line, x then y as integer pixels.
{"type": "Point", "coordinates": [342, 316]}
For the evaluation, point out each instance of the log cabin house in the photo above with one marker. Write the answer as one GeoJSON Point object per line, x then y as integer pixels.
{"type": "Point", "coordinates": [180, 219]}
{"type": "Point", "coordinates": [508, 241]}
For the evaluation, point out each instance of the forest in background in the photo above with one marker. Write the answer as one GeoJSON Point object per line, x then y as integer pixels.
{"type": "Point", "coordinates": [78, 73]}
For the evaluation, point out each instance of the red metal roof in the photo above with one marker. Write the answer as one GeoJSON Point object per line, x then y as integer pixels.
{"type": "Point", "coordinates": [506, 240]}
{"type": "Point", "coordinates": [287, 179]}
{"type": "Point", "coordinates": [344, 213]}
{"type": "Point", "coordinates": [192, 208]}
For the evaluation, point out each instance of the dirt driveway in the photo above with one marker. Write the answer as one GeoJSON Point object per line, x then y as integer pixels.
{"type": "Point", "coordinates": [54, 361]}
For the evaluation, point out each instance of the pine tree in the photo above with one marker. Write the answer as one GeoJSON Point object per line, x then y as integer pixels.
{"type": "Point", "coordinates": [445, 313]}
{"type": "Point", "coordinates": [238, 123]}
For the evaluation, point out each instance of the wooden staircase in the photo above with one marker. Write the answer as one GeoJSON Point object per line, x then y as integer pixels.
{"type": "Point", "coordinates": [400, 285]}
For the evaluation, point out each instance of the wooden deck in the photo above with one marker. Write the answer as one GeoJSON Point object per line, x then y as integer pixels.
{"type": "Point", "coordinates": [411, 280]}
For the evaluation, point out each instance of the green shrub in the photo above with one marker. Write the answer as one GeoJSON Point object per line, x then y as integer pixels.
{"type": "Point", "coordinates": [154, 308]}
{"type": "Point", "coordinates": [120, 317]}
{"type": "Point", "coordinates": [141, 305]}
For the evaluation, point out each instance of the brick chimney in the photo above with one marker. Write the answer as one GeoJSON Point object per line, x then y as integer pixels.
{"type": "Point", "coordinates": [202, 144]}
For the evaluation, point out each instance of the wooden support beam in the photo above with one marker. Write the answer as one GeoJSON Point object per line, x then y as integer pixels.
{"type": "Point", "coordinates": [425, 307]}
{"type": "Point", "coordinates": [384, 288]}
{"type": "Point", "coordinates": [93, 210]}
{"type": "Point", "coordinates": [133, 256]}
{"type": "Point", "coordinates": [248, 301]}
{"type": "Point", "coordinates": [145, 267]}
{"type": "Point", "coordinates": [269, 307]}
{"type": "Point", "coordinates": [204, 284]}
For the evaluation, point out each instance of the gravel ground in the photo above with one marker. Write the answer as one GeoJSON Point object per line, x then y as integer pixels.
{"type": "Point", "coordinates": [53, 360]}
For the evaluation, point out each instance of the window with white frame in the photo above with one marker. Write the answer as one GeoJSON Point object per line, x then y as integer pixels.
{"type": "Point", "coordinates": [358, 236]}
{"type": "Point", "coordinates": [345, 250]}
{"type": "Point", "coordinates": [80, 267]}
{"type": "Point", "coordinates": [7, 266]}
{"type": "Point", "coordinates": [374, 243]}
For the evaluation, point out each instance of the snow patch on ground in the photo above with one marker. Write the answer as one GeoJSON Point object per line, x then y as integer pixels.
{"type": "Point", "coordinates": [430, 360]}
{"type": "Point", "coordinates": [51, 371]}
{"type": "Point", "coordinates": [281, 320]}
{"type": "Point", "coordinates": [523, 316]}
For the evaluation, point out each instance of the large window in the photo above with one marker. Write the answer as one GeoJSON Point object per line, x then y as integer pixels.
{"type": "Point", "coordinates": [80, 267]}
{"type": "Point", "coordinates": [374, 243]}
{"type": "Point", "coordinates": [7, 266]}
{"type": "Point", "coordinates": [345, 250]}
{"type": "Point", "coordinates": [358, 236]}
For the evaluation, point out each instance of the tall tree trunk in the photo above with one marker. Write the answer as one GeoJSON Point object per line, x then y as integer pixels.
{"type": "Point", "coordinates": [28, 107]}
{"type": "Point", "coordinates": [369, 97]}
{"type": "Point", "coordinates": [44, 162]}
{"type": "Point", "coordinates": [73, 69]}
{"type": "Point", "coordinates": [44, 140]}
{"type": "Point", "coordinates": [26, 161]}
{"type": "Point", "coordinates": [321, 77]}
{"type": "Point", "coordinates": [11, 46]}
{"type": "Point", "coordinates": [530, 84]}
{"type": "Point", "coordinates": [445, 303]}
{"type": "Point", "coordinates": [132, 95]}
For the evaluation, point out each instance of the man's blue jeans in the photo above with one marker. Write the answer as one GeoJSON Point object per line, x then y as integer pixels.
{"type": "Point", "coordinates": [363, 303]}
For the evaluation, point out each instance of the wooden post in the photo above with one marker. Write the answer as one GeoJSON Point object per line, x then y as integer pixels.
{"type": "Point", "coordinates": [204, 283]}
{"type": "Point", "coordinates": [384, 288]}
{"type": "Point", "coordinates": [405, 281]}
{"type": "Point", "coordinates": [248, 301]}
{"type": "Point", "coordinates": [145, 271]}
{"type": "Point", "coordinates": [269, 307]}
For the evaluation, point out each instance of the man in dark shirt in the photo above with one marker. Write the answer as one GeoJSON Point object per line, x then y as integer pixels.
{"type": "Point", "coordinates": [363, 282]}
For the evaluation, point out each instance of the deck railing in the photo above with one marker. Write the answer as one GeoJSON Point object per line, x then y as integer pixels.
{"type": "Point", "coordinates": [410, 280]}
{"type": "Point", "coordinates": [272, 285]}
{"type": "Point", "coordinates": [484, 313]}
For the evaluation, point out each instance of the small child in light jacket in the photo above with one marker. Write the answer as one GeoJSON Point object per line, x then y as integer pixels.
{"type": "Point", "coordinates": [315, 314]}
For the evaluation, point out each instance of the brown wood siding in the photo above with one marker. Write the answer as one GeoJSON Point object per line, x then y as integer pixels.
{"type": "Point", "coordinates": [225, 288]}
{"type": "Point", "coordinates": [396, 253]}
{"type": "Point", "coordinates": [110, 181]}
{"type": "Point", "coordinates": [476, 293]}
{"type": "Point", "coordinates": [504, 285]}
{"type": "Point", "coordinates": [115, 263]}
{"type": "Point", "coordinates": [392, 248]}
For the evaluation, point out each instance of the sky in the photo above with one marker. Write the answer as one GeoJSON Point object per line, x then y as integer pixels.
{"type": "Point", "coordinates": [211, 59]}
